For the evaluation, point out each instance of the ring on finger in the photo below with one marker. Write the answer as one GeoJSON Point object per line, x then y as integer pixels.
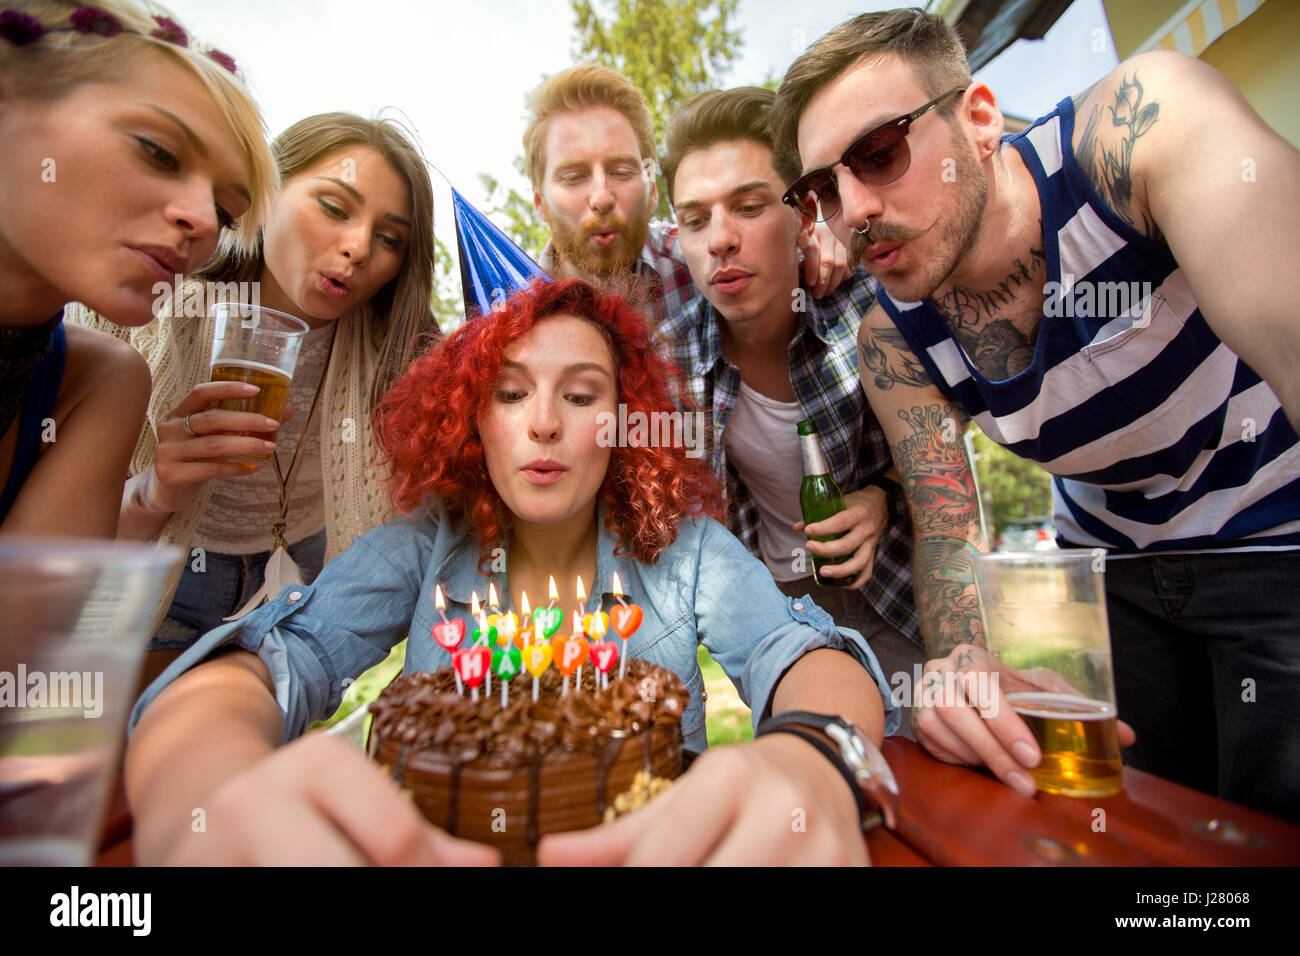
{"type": "Point", "coordinates": [185, 423]}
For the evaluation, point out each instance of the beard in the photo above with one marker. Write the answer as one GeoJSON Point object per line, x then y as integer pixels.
{"type": "Point", "coordinates": [573, 247]}
{"type": "Point", "coordinates": [956, 234]}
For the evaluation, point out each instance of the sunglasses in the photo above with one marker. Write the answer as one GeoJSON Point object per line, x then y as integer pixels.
{"type": "Point", "coordinates": [877, 158]}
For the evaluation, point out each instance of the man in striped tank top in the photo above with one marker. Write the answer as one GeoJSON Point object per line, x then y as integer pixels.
{"type": "Point", "coordinates": [1107, 294]}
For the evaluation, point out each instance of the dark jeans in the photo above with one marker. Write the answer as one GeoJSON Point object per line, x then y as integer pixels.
{"type": "Point", "coordinates": [892, 648]}
{"type": "Point", "coordinates": [224, 585]}
{"type": "Point", "coordinates": [1207, 671]}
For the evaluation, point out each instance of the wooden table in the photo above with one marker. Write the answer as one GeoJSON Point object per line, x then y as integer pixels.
{"type": "Point", "coordinates": [957, 816]}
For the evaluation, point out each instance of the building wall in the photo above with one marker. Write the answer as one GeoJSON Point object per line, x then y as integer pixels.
{"type": "Point", "coordinates": [1261, 55]}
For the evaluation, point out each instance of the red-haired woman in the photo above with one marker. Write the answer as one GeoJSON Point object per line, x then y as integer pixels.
{"type": "Point", "coordinates": [504, 453]}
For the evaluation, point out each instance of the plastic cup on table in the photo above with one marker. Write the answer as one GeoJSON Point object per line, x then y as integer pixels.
{"type": "Point", "coordinates": [74, 619]}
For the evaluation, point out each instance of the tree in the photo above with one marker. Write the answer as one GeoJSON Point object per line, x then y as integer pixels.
{"type": "Point", "coordinates": [1010, 487]}
{"type": "Point", "coordinates": [669, 49]}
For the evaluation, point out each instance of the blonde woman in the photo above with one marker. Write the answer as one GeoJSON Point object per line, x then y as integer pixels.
{"type": "Point", "coordinates": [127, 152]}
{"type": "Point", "coordinates": [347, 248]}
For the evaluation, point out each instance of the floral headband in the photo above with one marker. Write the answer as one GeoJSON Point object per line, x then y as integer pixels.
{"type": "Point", "coordinates": [20, 29]}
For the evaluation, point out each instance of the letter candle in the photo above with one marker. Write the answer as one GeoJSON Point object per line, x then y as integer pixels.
{"type": "Point", "coordinates": [577, 622]}
{"type": "Point", "coordinates": [603, 652]}
{"type": "Point", "coordinates": [483, 637]}
{"type": "Point", "coordinates": [448, 634]}
{"type": "Point", "coordinates": [626, 618]}
{"type": "Point", "coordinates": [526, 621]}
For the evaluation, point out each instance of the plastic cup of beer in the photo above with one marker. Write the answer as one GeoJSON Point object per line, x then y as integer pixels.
{"type": "Point", "coordinates": [76, 618]}
{"type": "Point", "coordinates": [1045, 623]}
{"type": "Point", "coordinates": [258, 346]}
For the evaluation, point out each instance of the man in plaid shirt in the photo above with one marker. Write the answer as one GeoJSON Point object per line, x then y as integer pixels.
{"type": "Point", "coordinates": [760, 353]}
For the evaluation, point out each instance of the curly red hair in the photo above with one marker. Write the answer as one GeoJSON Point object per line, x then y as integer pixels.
{"type": "Point", "coordinates": [427, 424]}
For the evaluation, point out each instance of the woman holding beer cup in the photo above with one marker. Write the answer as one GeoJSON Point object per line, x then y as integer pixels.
{"type": "Point", "coordinates": [126, 154]}
{"type": "Point", "coordinates": [348, 249]}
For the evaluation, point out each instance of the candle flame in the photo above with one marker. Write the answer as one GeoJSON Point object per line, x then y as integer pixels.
{"type": "Point", "coordinates": [473, 605]}
{"type": "Point", "coordinates": [523, 604]}
{"type": "Point", "coordinates": [577, 623]}
{"type": "Point", "coordinates": [582, 592]}
{"type": "Point", "coordinates": [617, 586]}
{"type": "Point", "coordinates": [552, 594]}
{"type": "Point", "coordinates": [438, 602]}
{"type": "Point", "coordinates": [598, 626]}
{"type": "Point", "coordinates": [492, 595]}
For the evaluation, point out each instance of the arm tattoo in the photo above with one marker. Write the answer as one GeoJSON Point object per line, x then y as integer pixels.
{"type": "Point", "coordinates": [999, 347]}
{"type": "Point", "coordinates": [1109, 164]}
{"type": "Point", "coordinates": [906, 370]}
{"type": "Point", "coordinates": [945, 515]}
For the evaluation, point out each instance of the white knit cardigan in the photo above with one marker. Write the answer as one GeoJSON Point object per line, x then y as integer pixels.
{"type": "Point", "coordinates": [179, 352]}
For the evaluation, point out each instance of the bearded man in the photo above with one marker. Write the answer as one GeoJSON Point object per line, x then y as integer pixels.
{"type": "Point", "coordinates": [1110, 295]}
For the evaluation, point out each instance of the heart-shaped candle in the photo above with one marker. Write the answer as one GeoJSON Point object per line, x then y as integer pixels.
{"type": "Point", "coordinates": [537, 657]}
{"type": "Point", "coordinates": [550, 618]}
{"type": "Point", "coordinates": [472, 664]}
{"type": "Point", "coordinates": [604, 655]}
{"type": "Point", "coordinates": [450, 634]}
{"type": "Point", "coordinates": [507, 626]}
{"type": "Point", "coordinates": [590, 625]}
{"type": "Point", "coordinates": [506, 662]}
{"type": "Point", "coordinates": [625, 618]}
{"type": "Point", "coordinates": [570, 653]}
{"type": "Point", "coordinates": [484, 639]}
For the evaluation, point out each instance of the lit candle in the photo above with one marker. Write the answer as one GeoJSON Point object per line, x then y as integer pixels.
{"type": "Point", "coordinates": [483, 636]}
{"type": "Point", "coordinates": [598, 637]}
{"type": "Point", "coordinates": [492, 597]}
{"type": "Point", "coordinates": [448, 634]}
{"type": "Point", "coordinates": [553, 594]}
{"type": "Point", "coordinates": [439, 603]}
{"type": "Point", "coordinates": [582, 597]}
{"type": "Point", "coordinates": [578, 629]}
{"type": "Point", "coordinates": [626, 618]}
{"type": "Point", "coordinates": [527, 618]}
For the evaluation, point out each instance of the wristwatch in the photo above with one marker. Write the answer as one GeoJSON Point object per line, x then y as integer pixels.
{"type": "Point", "coordinates": [858, 760]}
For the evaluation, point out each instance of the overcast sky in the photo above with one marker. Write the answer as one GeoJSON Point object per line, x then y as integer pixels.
{"type": "Point", "coordinates": [460, 71]}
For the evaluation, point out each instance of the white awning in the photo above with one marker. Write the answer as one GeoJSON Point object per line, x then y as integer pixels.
{"type": "Point", "coordinates": [1198, 24]}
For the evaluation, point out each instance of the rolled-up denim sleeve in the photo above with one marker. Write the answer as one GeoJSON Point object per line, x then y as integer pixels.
{"type": "Point", "coordinates": [313, 637]}
{"type": "Point", "coordinates": [756, 633]}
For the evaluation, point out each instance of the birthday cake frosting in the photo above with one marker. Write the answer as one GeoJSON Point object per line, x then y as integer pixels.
{"type": "Point", "coordinates": [506, 775]}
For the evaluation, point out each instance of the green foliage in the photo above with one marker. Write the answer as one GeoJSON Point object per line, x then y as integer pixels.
{"type": "Point", "coordinates": [1010, 486]}
{"type": "Point", "coordinates": [669, 49]}
{"type": "Point", "coordinates": [448, 305]}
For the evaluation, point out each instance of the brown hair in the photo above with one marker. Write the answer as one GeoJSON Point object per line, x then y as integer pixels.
{"type": "Point", "coordinates": [401, 316]}
{"type": "Point", "coordinates": [576, 89]}
{"type": "Point", "coordinates": [721, 116]}
{"type": "Point", "coordinates": [64, 58]}
{"type": "Point", "coordinates": [923, 40]}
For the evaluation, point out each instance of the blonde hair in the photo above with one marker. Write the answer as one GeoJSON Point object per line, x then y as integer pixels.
{"type": "Point", "coordinates": [65, 57]}
{"type": "Point", "coordinates": [401, 318]}
{"type": "Point", "coordinates": [580, 88]}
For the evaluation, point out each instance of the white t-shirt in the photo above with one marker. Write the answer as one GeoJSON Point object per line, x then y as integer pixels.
{"type": "Point", "coordinates": [762, 441]}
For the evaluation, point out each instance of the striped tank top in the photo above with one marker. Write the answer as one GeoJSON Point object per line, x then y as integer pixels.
{"type": "Point", "coordinates": [1159, 437]}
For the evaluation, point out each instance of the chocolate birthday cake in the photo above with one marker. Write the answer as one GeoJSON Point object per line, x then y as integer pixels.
{"type": "Point", "coordinates": [505, 776]}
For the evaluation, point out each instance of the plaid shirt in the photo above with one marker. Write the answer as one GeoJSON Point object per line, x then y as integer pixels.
{"type": "Point", "coordinates": [824, 374]}
{"type": "Point", "coordinates": [661, 264]}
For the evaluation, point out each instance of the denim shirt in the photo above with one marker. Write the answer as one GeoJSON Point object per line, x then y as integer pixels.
{"type": "Point", "coordinates": [705, 588]}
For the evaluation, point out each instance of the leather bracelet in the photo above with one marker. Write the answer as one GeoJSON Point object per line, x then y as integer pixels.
{"type": "Point", "coordinates": [829, 753]}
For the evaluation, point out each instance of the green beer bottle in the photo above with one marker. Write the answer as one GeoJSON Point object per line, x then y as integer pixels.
{"type": "Point", "coordinates": [819, 496]}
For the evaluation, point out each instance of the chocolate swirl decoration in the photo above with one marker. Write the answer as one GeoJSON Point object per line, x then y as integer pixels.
{"type": "Point", "coordinates": [423, 711]}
